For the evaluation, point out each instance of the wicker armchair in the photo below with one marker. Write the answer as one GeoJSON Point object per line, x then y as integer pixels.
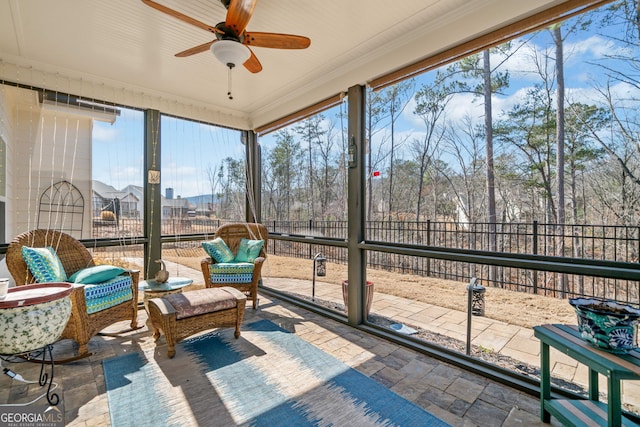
{"type": "Point", "coordinates": [74, 256]}
{"type": "Point", "coordinates": [232, 234]}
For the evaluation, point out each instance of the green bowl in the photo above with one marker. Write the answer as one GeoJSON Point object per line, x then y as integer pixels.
{"type": "Point", "coordinates": [607, 324]}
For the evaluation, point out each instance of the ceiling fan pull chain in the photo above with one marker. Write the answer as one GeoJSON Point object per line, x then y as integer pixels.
{"type": "Point", "coordinates": [229, 82]}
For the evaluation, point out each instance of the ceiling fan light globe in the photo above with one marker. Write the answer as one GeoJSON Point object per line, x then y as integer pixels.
{"type": "Point", "coordinates": [230, 53]}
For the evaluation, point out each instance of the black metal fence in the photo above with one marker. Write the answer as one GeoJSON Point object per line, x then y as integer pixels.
{"type": "Point", "coordinates": [601, 242]}
{"type": "Point", "coordinates": [595, 242]}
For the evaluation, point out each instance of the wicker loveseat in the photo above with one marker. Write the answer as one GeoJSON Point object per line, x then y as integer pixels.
{"type": "Point", "coordinates": [242, 275]}
{"type": "Point", "coordinates": [87, 319]}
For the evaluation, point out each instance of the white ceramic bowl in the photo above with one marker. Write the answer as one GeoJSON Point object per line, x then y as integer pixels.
{"type": "Point", "coordinates": [33, 316]}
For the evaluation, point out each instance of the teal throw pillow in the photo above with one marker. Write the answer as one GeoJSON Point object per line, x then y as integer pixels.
{"type": "Point", "coordinates": [44, 264]}
{"type": "Point", "coordinates": [248, 250]}
{"type": "Point", "coordinates": [218, 250]}
{"type": "Point", "coordinates": [96, 274]}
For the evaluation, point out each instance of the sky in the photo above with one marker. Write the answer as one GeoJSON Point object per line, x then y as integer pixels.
{"type": "Point", "coordinates": [190, 149]}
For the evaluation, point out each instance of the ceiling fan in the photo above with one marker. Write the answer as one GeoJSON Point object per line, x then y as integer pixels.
{"type": "Point", "coordinates": [232, 43]}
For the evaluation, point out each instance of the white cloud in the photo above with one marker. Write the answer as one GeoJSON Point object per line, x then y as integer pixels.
{"type": "Point", "coordinates": [461, 105]}
{"type": "Point", "coordinates": [409, 116]}
{"type": "Point", "coordinates": [119, 177]}
{"type": "Point", "coordinates": [623, 94]}
{"type": "Point", "coordinates": [186, 180]}
{"type": "Point", "coordinates": [104, 133]}
{"type": "Point", "coordinates": [464, 104]}
{"type": "Point", "coordinates": [502, 104]}
{"type": "Point", "coordinates": [594, 47]}
{"type": "Point", "coordinates": [520, 62]}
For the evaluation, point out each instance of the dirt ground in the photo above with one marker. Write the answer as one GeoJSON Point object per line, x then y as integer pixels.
{"type": "Point", "coordinates": [517, 308]}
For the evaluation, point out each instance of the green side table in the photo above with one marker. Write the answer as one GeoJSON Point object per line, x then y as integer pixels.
{"type": "Point", "coordinates": [153, 289]}
{"type": "Point", "coordinates": [615, 367]}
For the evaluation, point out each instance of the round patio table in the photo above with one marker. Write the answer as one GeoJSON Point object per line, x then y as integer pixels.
{"type": "Point", "coordinates": [153, 289]}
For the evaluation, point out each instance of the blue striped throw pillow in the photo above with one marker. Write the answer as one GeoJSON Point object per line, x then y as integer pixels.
{"type": "Point", "coordinates": [44, 264]}
{"type": "Point", "coordinates": [218, 250]}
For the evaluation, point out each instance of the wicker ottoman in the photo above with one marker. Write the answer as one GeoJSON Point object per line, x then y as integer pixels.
{"type": "Point", "coordinates": [182, 315]}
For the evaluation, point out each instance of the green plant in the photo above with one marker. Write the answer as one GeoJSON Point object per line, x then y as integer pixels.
{"type": "Point", "coordinates": [487, 350]}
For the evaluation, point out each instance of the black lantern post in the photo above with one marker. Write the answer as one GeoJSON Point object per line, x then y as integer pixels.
{"type": "Point", "coordinates": [320, 269]}
{"type": "Point", "coordinates": [475, 306]}
{"type": "Point", "coordinates": [477, 297]}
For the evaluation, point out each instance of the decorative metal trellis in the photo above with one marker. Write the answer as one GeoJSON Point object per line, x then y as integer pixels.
{"type": "Point", "coordinates": [61, 208]}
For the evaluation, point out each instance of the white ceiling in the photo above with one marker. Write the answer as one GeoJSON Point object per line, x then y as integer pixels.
{"type": "Point", "coordinates": [126, 44]}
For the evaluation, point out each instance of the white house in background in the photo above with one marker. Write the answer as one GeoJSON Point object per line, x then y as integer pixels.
{"type": "Point", "coordinates": [177, 208]}
{"type": "Point", "coordinates": [171, 208]}
{"type": "Point", "coordinates": [461, 215]}
{"type": "Point", "coordinates": [107, 198]}
{"type": "Point", "coordinates": [138, 192]}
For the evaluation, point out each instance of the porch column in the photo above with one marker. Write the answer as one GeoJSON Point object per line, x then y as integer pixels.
{"type": "Point", "coordinates": [152, 194]}
{"type": "Point", "coordinates": [253, 177]}
{"type": "Point", "coordinates": [356, 203]}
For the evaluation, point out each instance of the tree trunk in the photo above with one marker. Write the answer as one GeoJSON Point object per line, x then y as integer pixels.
{"type": "Point", "coordinates": [392, 114]}
{"type": "Point", "coordinates": [560, 220]}
{"type": "Point", "coordinates": [491, 184]}
{"type": "Point", "coordinates": [369, 177]}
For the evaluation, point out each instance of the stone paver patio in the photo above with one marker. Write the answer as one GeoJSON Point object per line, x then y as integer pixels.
{"type": "Point", "coordinates": [494, 335]}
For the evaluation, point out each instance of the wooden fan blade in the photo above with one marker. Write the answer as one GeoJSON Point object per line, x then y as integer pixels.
{"type": "Point", "coordinates": [276, 41]}
{"type": "Point", "coordinates": [239, 14]}
{"type": "Point", "coordinates": [180, 16]}
{"type": "Point", "coordinates": [196, 49]}
{"type": "Point", "coordinates": [252, 64]}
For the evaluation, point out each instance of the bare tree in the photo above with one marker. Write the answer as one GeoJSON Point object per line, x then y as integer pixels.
{"type": "Point", "coordinates": [285, 160]}
{"type": "Point", "coordinates": [376, 154]}
{"type": "Point", "coordinates": [492, 82]}
{"type": "Point", "coordinates": [327, 170]}
{"type": "Point", "coordinates": [396, 99]}
{"type": "Point", "coordinates": [214, 176]}
{"type": "Point", "coordinates": [311, 131]}
{"type": "Point", "coordinates": [463, 142]}
{"type": "Point", "coordinates": [560, 164]}
{"type": "Point", "coordinates": [431, 104]}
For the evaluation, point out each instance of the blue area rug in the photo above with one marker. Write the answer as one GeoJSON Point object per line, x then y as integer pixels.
{"type": "Point", "coordinates": [268, 377]}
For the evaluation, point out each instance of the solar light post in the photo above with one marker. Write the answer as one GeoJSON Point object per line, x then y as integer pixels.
{"type": "Point", "coordinates": [477, 297]}
{"type": "Point", "coordinates": [475, 306]}
{"type": "Point", "coordinates": [320, 269]}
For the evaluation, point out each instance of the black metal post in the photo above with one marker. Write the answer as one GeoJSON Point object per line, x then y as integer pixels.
{"type": "Point", "coordinates": [469, 309]}
{"type": "Point", "coordinates": [320, 269]}
{"type": "Point", "coordinates": [313, 282]}
{"type": "Point", "coordinates": [535, 252]}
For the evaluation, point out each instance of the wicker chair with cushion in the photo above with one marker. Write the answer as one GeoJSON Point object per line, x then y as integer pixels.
{"type": "Point", "coordinates": [103, 295]}
{"type": "Point", "coordinates": [236, 255]}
